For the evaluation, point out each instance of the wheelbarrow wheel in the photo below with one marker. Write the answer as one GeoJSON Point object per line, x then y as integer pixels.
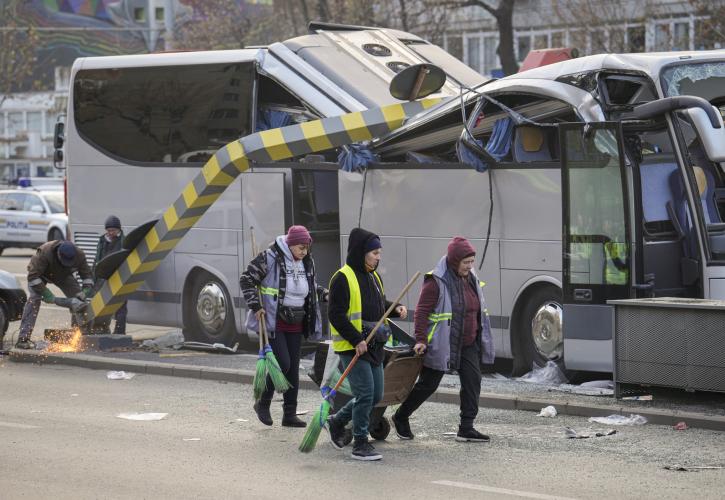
{"type": "Point", "coordinates": [380, 429]}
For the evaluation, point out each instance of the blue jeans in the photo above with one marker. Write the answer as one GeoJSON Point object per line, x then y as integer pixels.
{"type": "Point", "coordinates": [366, 382]}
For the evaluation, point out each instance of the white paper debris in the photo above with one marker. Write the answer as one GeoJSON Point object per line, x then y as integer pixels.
{"type": "Point", "coordinates": [620, 420]}
{"type": "Point", "coordinates": [192, 439]}
{"type": "Point", "coordinates": [549, 411]}
{"type": "Point", "coordinates": [242, 420]}
{"type": "Point", "coordinates": [142, 416]}
{"type": "Point", "coordinates": [119, 375]}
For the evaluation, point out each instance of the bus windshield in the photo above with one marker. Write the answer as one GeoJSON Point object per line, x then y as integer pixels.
{"type": "Point", "coordinates": [706, 80]}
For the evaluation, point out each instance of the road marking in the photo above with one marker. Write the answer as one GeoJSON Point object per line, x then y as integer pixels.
{"type": "Point", "coordinates": [13, 425]}
{"type": "Point", "coordinates": [502, 491]}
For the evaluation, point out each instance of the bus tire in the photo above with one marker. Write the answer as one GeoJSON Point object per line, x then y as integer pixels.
{"type": "Point", "coordinates": [4, 320]}
{"type": "Point", "coordinates": [209, 311]}
{"type": "Point", "coordinates": [55, 234]}
{"type": "Point", "coordinates": [539, 336]}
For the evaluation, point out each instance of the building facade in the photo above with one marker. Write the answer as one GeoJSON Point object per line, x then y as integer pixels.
{"type": "Point", "coordinates": [591, 26]}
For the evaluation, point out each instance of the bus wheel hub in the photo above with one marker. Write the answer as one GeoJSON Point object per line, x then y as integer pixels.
{"type": "Point", "coordinates": [547, 332]}
{"type": "Point", "coordinates": [211, 308]}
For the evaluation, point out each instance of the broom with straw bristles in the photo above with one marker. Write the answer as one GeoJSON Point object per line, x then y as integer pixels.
{"type": "Point", "coordinates": [267, 363]}
{"type": "Point", "coordinates": [320, 417]}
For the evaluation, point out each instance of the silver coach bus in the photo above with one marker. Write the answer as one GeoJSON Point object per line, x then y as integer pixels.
{"type": "Point", "coordinates": [590, 195]}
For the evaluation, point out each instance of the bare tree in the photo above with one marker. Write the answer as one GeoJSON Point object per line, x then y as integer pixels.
{"type": "Point", "coordinates": [710, 28]}
{"type": "Point", "coordinates": [503, 13]}
{"type": "Point", "coordinates": [17, 55]}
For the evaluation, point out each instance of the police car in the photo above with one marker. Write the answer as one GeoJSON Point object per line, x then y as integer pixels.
{"type": "Point", "coordinates": [30, 216]}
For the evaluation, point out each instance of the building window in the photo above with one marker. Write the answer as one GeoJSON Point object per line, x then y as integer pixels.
{"type": "Point", "coordinates": [541, 41]}
{"type": "Point", "coordinates": [473, 53]}
{"type": "Point", "coordinates": [635, 39]}
{"type": "Point", "coordinates": [662, 37]}
{"type": "Point", "coordinates": [524, 46]}
{"type": "Point", "coordinates": [681, 39]}
{"type": "Point", "coordinates": [139, 14]}
{"type": "Point", "coordinates": [616, 39]}
{"type": "Point", "coordinates": [160, 14]}
{"type": "Point", "coordinates": [50, 119]}
{"type": "Point", "coordinates": [490, 57]}
{"type": "Point", "coordinates": [454, 46]}
{"type": "Point", "coordinates": [15, 123]}
{"type": "Point", "coordinates": [557, 39]}
{"type": "Point", "coordinates": [35, 121]}
{"type": "Point", "coordinates": [599, 42]}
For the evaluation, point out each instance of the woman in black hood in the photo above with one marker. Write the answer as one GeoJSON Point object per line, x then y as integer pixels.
{"type": "Point", "coordinates": [357, 302]}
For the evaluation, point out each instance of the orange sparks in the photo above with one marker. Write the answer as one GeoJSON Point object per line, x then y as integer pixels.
{"type": "Point", "coordinates": [72, 345]}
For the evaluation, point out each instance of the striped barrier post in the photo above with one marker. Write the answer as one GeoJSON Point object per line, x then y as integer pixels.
{"type": "Point", "coordinates": [219, 172]}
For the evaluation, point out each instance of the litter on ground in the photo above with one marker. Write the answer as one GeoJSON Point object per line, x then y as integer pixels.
{"type": "Point", "coordinates": [550, 374]}
{"type": "Point", "coordinates": [146, 417]}
{"type": "Point", "coordinates": [619, 420]}
{"type": "Point", "coordinates": [573, 434]}
{"type": "Point", "coordinates": [120, 375]}
{"type": "Point", "coordinates": [548, 411]}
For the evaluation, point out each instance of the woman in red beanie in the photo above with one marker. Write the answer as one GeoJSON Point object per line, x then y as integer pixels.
{"type": "Point", "coordinates": [285, 274]}
{"type": "Point", "coordinates": [452, 329]}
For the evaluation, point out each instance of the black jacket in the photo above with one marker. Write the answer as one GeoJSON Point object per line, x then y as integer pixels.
{"type": "Point", "coordinates": [374, 303]}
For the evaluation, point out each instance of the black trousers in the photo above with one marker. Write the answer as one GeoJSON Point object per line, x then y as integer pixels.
{"type": "Point", "coordinates": [286, 348]}
{"type": "Point", "coordinates": [429, 379]}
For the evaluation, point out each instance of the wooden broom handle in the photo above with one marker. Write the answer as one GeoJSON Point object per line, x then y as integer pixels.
{"type": "Point", "coordinates": [375, 329]}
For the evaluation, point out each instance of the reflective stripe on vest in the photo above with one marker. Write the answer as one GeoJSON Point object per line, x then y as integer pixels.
{"type": "Point", "coordinates": [269, 290]}
{"type": "Point", "coordinates": [435, 319]}
{"type": "Point", "coordinates": [354, 309]}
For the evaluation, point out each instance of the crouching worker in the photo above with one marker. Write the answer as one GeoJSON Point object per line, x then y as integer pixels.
{"type": "Point", "coordinates": [357, 302]}
{"type": "Point", "coordinates": [53, 262]}
{"type": "Point", "coordinates": [285, 275]}
{"type": "Point", "coordinates": [453, 330]}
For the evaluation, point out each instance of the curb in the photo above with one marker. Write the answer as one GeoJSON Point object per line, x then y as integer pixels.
{"type": "Point", "coordinates": [449, 396]}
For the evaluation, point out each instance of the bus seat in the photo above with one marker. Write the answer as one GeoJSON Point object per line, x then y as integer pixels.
{"type": "Point", "coordinates": [531, 144]}
{"type": "Point", "coordinates": [681, 214]}
{"type": "Point", "coordinates": [706, 186]}
{"type": "Point", "coordinates": [499, 144]}
{"type": "Point", "coordinates": [656, 192]}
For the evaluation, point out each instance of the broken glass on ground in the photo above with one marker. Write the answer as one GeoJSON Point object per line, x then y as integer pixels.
{"type": "Point", "coordinates": [573, 434]}
{"type": "Point", "coordinates": [550, 373]}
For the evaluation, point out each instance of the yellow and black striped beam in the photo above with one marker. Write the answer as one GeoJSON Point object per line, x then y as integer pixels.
{"type": "Point", "coordinates": [223, 168]}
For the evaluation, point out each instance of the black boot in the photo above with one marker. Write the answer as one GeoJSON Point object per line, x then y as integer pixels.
{"type": "Point", "coordinates": [262, 410]}
{"type": "Point", "coordinates": [363, 450]}
{"type": "Point", "coordinates": [290, 419]}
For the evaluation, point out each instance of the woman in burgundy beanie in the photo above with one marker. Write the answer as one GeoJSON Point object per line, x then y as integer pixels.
{"type": "Point", "coordinates": [452, 329]}
{"type": "Point", "coordinates": [285, 274]}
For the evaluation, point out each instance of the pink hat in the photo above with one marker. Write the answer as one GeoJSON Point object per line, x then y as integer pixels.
{"type": "Point", "coordinates": [298, 235]}
{"type": "Point", "coordinates": [458, 249]}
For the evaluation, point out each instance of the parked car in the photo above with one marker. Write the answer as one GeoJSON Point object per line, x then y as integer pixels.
{"type": "Point", "coordinates": [12, 301]}
{"type": "Point", "coordinates": [30, 217]}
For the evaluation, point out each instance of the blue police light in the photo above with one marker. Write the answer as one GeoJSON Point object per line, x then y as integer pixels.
{"type": "Point", "coordinates": [24, 182]}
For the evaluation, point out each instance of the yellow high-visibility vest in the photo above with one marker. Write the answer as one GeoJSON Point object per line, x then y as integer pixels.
{"type": "Point", "coordinates": [354, 309]}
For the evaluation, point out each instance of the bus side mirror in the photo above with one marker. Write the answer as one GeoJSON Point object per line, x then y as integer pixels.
{"type": "Point", "coordinates": [59, 135]}
{"type": "Point", "coordinates": [713, 138]}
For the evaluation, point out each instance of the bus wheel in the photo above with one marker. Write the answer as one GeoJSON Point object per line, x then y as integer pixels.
{"type": "Point", "coordinates": [211, 313]}
{"type": "Point", "coordinates": [540, 336]}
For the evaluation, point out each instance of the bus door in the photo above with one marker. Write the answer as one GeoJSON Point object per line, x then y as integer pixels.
{"type": "Point", "coordinates": [596, 240]}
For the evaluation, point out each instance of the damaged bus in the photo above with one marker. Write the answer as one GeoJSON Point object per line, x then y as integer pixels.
{"type": "Point", "coordinates": [592, 179]}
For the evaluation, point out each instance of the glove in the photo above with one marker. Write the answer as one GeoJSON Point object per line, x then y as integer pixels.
{"type": "Point", "coordinates": [48, 296]}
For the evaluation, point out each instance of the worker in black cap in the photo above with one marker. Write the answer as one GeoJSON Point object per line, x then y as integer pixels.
{"type": "Point", "coordinates": [111, 241]}
{"type": "Point", "coordinates": [53, 262]}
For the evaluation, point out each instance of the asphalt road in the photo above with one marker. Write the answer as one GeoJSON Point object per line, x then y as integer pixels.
{"type": "Point", "coordinates": [61, 439]}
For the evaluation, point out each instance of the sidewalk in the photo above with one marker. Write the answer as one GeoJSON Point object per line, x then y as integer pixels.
{"type": "Point", "coordinates": [703, 410]}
